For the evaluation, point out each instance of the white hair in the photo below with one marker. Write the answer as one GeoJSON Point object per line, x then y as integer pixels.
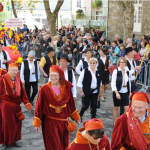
{"type": "Point", "coordinates": [117, 36]}
{"type": "Point", "coordinates": [31, 53]}
{"type": "Point", "coordinates": [129, 40]}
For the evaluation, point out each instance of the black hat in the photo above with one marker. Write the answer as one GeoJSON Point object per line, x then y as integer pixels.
{"type": "Point", "coordinates": [50, 49]}
{"type": "Point", "coordinates": [64, 56]}
{"type": "Point", "coordinates": [128, 49]}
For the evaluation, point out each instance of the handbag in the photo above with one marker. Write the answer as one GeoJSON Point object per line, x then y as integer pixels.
{"type": "Point", "coordinates": [111, 69]}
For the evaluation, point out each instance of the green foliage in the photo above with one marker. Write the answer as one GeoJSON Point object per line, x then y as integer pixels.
{"type": "Point", "coordinates": [5, 14]}
{"type": "Point", "coordinates": [19, 4]}
{"type": "Point", "coordinates": [96, 4]}
{"type": "Point", "coordinates": [79, 14]}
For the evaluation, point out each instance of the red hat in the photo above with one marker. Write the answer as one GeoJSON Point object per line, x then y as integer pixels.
{"type": "Point", "coordinates": [93, 124]}
{"type": "Point", "coordinates": [61, 73]}
{"type": "Point", "coordinates": [13, 65]}
{"type": "Point", "coordinates": [140, 96]}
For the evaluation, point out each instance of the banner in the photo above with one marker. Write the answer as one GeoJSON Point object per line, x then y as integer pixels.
{"type": "Point", "coordinates": [13, 22]}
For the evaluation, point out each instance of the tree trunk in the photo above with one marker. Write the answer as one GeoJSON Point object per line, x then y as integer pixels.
{"type": "Point", "coordinates": [52, 17]}
{"type": "Point", "coordinates": [52, 23]}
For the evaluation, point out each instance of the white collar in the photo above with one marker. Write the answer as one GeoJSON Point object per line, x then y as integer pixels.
{"type": "Point", "coordinates": [29, 61]}
{"type": "Point", "coordinates": [126, 69]}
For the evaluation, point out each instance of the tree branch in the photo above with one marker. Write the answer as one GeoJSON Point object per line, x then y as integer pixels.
{"type": "Point", "coordinates": [13, 8]}
{"type": "Point", "coordinates": [59, 4]}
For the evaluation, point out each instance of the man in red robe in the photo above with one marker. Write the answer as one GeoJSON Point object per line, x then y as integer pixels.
{"type": "Point", "coordinates": [12, 93]}
{"type": "Point", "coordinates": [2, 72]}
{"type": "Point", "coordinates": [132, 129]}
{"type": "Point", "coordinates": [90, 137]}
{"type": "Point", "coordinates": [53, 109]}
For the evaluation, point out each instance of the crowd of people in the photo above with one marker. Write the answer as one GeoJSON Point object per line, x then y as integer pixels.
{"type": "Point", "coordinates": [74, 58]}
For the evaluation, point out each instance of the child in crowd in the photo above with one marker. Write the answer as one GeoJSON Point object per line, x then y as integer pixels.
{"type": "Point", "coordinates": [122, 52]}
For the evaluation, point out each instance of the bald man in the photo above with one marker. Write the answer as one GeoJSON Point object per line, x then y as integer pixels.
{"type": "Point", "coordinates": [12, 93]}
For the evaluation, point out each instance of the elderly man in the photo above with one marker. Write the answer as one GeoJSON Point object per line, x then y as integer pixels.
{"type": "Point", "coordinates": [4, 58]}
{"type": "Point", "coordinates": [129, 42]}
{"type": "Point", "coordinates": [117, 37]}
{"type": "Point", "coordinates": [12, 93]}
{"type": "Point", "coordinates": [131, 131]}
{"type": "Point", "coordinates": [30, 75]}
{"type": "Point", "coordinates": [47, 61]}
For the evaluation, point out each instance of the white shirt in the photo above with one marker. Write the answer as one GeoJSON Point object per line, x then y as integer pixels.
{"type": "Point", "coordinates": [83, 54]}
{"type": "Point", "coordinates": [80, 66]}
{"type": "Point", "coordinates": [93, 82]}
{"type": "Point", "coordinates": [74, 89]}
{"type": "Point", "coordinates": [124, 82]}
{"type": "Point", "coordinates": [132, 67]}
{"type": "Point", "coordinates": [2, 58]}
{"type": "Point", "coordinates": [103, 59]}
{"type": "Point", "coordinates": [32, 77]}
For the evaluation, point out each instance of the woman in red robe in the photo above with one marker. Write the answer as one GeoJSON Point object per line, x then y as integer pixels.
{"type": "Point", "coordinates": [54, 105]}
{"type": "Point", "coordinates": [90, 137]}
{"type": "Point", "coordinates": [12, 93]}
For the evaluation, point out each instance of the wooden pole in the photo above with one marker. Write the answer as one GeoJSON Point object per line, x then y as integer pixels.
{"type": "Point", "coordinates": [148, 47]}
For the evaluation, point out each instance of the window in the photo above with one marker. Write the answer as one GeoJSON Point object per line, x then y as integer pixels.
{"type": "Point", "coordinates": [79, 3]}
{"type": "Point", "coordinates": [139, 14]}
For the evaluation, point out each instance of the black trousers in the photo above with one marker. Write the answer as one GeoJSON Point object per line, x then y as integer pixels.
{"type": "Point", "coordinates": [86, 101]}
{"type": "Point", "coordinates": [28, 90]}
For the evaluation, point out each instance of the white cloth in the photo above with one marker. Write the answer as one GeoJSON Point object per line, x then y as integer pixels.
{"type": "Point", "coordinates": [132, 67]}
{"type": "Point", "coordinates": [2, 58]}
{"type": "Point", "coordinates": [125, 79]}
{"type": "Point", "coordinates": [103, 59]}
{"type": "Point", "coordinates": [32, 77]}
{"type": "Point", "coordinates": [74, 89]}
{"type": "Point", "coordinates": [93, 82]}
{"type": "Point", "coordinates": [80, 66]}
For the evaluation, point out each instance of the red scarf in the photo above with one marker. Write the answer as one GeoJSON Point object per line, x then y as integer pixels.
{"type": "Point", "coordinates": [135, 132]}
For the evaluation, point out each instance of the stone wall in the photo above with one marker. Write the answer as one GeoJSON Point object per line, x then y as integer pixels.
{"type": "Point", "coordinates": [115, 21]}
{"type": "Point", "coordinates": [145, 17]}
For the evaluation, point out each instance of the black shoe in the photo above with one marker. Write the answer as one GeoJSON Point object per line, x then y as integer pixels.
{"type": "Point", "coordinates": [3, 147]}
{"type": "Point", "coordinates": [16, 144]}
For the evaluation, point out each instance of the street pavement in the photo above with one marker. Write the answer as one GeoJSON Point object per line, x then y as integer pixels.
{"type": "Point", "coordinates": [34, 141]}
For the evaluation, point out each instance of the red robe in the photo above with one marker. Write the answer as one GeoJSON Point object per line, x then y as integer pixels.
{"type": "Point", "coordinates": [80, 143]}
{"type": "Point", "coordinates": [55, 133]}
{"type": "Point", "coordinates": [10, 127]}
{"type": "Point", "coordinates": [120, 139]}
{"type": "Point", "coordinates": [2, 72]}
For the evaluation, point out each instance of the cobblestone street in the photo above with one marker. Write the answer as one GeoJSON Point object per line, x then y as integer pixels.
{"type": "Point", "coordinates": [34, 141]}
